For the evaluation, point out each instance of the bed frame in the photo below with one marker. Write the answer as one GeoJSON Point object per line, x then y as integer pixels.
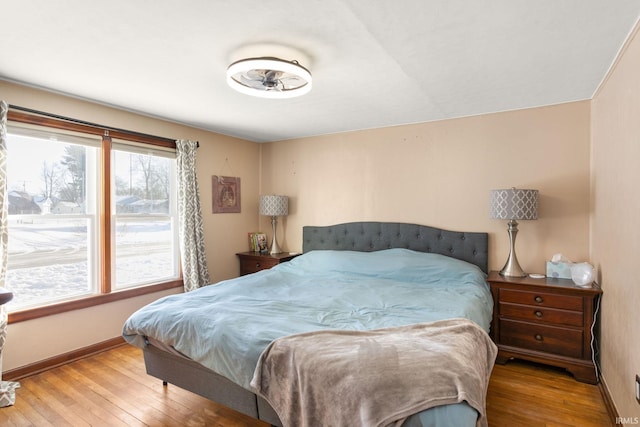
{"type": "Point", "coordinates": [358, 236]}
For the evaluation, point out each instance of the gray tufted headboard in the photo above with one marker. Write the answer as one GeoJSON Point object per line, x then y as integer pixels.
{"type": "Point", "coordinates": [374, 236]}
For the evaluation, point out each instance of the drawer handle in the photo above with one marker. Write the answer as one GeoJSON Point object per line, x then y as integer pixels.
{"type": "Point", "coordinates": [538, 337]}
{"type": "Point", "coordinates": [257, 265]}
{"type": "Point", "coordinates": [538, 313]}
{"type": "Point", "coordinates": [538, 299]}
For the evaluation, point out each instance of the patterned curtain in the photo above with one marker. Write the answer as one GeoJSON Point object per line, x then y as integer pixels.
{"type": "Point", "coordinates": [7, 388]}
{"type": "Point", "coordinates": [194, 262]}
{"type": "Point", "coordinates": [4, 202]}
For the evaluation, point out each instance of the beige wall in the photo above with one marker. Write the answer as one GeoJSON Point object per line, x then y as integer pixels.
{"type": "Point", "coordinates": [440, 174]}
{"type": "Point", "coordinates": [35, 340]}
{"type": "Point", "coordinates": [615, 219]}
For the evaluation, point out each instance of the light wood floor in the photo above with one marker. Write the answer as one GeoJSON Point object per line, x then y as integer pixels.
{"type": "Point", "coordinates": [112, 389]}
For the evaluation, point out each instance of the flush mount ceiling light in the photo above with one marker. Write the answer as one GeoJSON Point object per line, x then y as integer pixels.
{"type": "Point", "coordinates": [269, 77]}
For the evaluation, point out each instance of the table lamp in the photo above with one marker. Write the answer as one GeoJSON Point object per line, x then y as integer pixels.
{"type": "Point", "coordinates": [513, 204]}
{"type": "Point", "coordinates": [274, 206]}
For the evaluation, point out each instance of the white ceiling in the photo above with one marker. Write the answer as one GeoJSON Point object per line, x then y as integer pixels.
{"type": "Point", "coordinates": [375, 63]}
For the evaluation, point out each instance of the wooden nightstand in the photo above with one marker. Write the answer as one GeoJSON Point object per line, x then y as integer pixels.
{"type": "Point", "coordinates": [251, 262]}
{"type": "Point", "coordinates": [545, 320]}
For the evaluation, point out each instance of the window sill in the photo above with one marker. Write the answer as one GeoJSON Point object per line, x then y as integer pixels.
{"type": "Point", "coordinates": [89, 301]}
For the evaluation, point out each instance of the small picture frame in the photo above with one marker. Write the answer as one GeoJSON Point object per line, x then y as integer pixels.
{"type": "Point", "coordinates": [252, 243]}
{"type": "Point", "coordinates": [258, 242]}
{"type": "Point", "coordinates": [226, 194]}
{"type": "Point", "coordinates": [261, 242]}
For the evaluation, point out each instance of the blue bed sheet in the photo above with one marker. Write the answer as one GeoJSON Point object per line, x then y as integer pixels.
{"type": "Point", "coordinates": [226, 326]}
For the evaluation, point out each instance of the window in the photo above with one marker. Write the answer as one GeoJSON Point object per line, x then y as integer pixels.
{"type": "Point", "coordinates": [53, 216]}
{"type": "Point", "coordinates": [88, 214]}
{"type": "Point", "coordinates": [143, 199]}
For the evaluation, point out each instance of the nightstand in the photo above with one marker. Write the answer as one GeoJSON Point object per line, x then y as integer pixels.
{"type": "Point", "coordinates": [251, 262]}
{"type": "Point", "coordinates": [546, 321]}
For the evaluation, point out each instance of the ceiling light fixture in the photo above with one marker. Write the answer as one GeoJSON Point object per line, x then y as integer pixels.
{"type": "Point", "coordinates": [269, 77]}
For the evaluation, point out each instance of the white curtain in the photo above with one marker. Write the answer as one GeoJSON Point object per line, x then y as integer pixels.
{"type": "Point", "coordinates": [194, 261]}
{"type": "Point", "coordinates": [7, 388]}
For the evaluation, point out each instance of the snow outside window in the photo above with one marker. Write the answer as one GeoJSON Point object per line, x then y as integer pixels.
{"type": "Point", "coordinates": [53, 246]}
{"type": "Point", "coordinates": [57, 243]}
{"type": "Point", "coordinates": [143, 197]}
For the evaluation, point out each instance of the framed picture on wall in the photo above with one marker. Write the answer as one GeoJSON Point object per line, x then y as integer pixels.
{"type": "Point", "coordinates": [226, 194]}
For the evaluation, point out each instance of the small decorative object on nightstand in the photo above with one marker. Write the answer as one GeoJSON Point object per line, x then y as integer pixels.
{"type": "Point", "coordinates": [545, 320]}
{"type": "Point", "coordinates": [251, 262]}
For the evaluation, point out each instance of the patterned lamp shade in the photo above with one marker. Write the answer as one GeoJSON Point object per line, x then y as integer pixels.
{"type": "Point", "coordinates": [514, 203]}
{"type": "Point", "coordinates": [273, 205]}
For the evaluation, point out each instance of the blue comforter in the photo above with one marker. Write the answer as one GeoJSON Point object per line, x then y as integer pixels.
{"type": "Point", "coordinates": [226, 326]}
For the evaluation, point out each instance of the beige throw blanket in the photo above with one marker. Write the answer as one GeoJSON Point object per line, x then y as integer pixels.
{"type": "Point", "coordinates": [375, 378]}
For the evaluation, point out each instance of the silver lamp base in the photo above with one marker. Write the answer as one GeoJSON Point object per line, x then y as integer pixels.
{"type": "Point", "coordinates": [512, 266]}
{"type": "Point", "coordinates": [275, 249]}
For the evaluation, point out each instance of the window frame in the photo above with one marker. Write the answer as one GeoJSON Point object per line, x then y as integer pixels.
{"type": "Point", "coordinates": [170, 216]}
{"type": "Point", "coordinates": [105, 292]}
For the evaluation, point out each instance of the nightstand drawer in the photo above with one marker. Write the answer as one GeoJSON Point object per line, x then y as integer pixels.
{"type": "Point", "coordinates": [562, 341]}
{"type": "Point", "coordinates": [252, 262]}
{"type": "Point", "coordinates": [253, 265]}
{"type": "Point", "coordinates": [566, 302]}
{"type": "Point", "coordinates": [541, 314]}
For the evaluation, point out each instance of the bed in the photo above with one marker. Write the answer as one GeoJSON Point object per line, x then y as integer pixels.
{"type": "Point", "coordinates": [356, 284]}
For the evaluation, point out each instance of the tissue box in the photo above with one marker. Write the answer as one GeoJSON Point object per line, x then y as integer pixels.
{"type": "Point", "coordinates": [559, 270]}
